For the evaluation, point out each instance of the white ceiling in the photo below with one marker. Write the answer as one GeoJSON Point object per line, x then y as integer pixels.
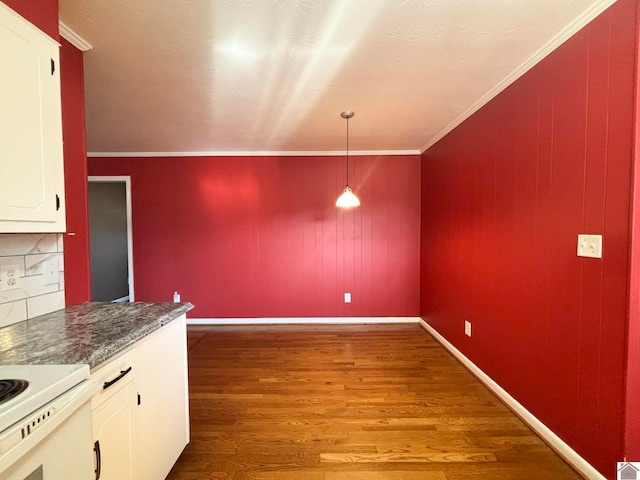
{"type": "Point", "coordinates": [273, 75]}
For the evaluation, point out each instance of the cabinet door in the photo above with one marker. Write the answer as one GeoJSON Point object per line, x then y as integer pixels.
{"type": "Point", "coordinates": [163, 413]}
{"type": "Point", "coordinates": [31, 164]}
{"type": "Point", "coordinates": [114, 435]}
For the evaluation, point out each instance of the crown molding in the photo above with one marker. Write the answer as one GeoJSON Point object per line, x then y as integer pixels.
{"type": "Point", "coordinates": [546, 49]}
{"type": "Point", "coordinates": [255, 154]}
{"type": "Point", "coordinates": [73, 38]}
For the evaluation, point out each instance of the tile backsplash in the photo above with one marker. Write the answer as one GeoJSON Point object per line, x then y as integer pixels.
{"type": "Point", "coordinates": [30, 253]}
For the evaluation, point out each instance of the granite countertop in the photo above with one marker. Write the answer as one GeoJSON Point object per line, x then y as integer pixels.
{"type": "Point", "coordinates": [90, 333]}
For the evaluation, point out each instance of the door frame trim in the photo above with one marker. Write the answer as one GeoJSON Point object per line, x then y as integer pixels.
{"type": "Point", "coordinates": [126, 179]}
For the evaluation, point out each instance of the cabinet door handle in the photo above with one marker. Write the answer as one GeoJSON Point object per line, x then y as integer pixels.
{"type": "Point", "coordinates": [119, 377]}
{"type": "Point", "coordinates": [96, 449]}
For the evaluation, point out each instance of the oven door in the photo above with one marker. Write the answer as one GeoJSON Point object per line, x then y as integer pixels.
{"type": "Point", "coordinates": [62, 450]}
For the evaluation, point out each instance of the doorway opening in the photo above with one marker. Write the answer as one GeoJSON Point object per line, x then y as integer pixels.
{"type": "Point", "coordinates": [111, 240]}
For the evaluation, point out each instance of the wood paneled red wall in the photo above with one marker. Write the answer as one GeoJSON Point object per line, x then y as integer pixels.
{"type": "Point", "coordinates": [42, 13]}
{"type": "Point", "coordinates": [504, 197]}
{"type": "Point", "coordinates": [632, 417]}
{"type": "Point", "coordinates": [632, 407]}
{"type": "Point", "coordinates": [262, 237]}
{"type": "Point", "coordinates": [76, 240]}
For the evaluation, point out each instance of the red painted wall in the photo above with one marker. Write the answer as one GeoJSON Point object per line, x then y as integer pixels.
{"type": "Point", "coordinates": [261, 236]}
{"type": "Point", "coordinates": [42, 13]}
{"type": "Point", "coordinates": [504, 197]}
{"type": "Point", "coordinates": [632, 418]}
{"type": "Point", "coordinates": [76, 240]}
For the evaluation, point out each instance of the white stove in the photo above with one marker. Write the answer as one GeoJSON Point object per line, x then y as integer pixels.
{"type": "Point", "coordinates": [45, 382]}
{"type": "Point", "coordinates": [46, 397]}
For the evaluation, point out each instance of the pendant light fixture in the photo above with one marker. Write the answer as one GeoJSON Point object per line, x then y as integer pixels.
{"type": "Point", "coordinates": [348, 199]}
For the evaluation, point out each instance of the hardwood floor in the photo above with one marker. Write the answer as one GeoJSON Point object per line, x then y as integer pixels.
{"type": "Point", "coordinates": [363, 402]}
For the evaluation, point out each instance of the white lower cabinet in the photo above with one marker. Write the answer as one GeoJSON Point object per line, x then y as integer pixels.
{"type": "Point", "coordinates": [113, 430]}
{"type": "Point", "coordinates": [115, 419]}
{"type": "Point", "coordinates": [141, 414]}
{"type": "Point", "coordinates": [163, 413]}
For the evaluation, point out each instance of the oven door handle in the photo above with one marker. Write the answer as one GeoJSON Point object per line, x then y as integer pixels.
{"type": "Point", "coordinates": [119, 377]}
{"type": "Point", "coordinates": [96, 449]}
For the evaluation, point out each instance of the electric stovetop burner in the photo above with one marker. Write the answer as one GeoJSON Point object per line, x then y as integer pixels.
{"type": "Point", "coordinates": [10, 388]}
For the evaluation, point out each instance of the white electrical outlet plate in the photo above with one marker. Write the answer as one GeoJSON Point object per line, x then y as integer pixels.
{"type": "Point", "coordinates": [590, 246]}
{"type": "Point", "coordinates": [50, 270]}
{"type": "Point", "coordinates": [467, 328]}
{"type": "Point", "coordinates": [9, 277]}
{"type": "Point", "coordinates": [347, 298]}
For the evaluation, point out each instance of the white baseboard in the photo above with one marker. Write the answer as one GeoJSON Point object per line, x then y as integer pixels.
{"type": "Point", "coordinates": [300, 321]}
{"type": "Point", "coordinates": [555, 442]}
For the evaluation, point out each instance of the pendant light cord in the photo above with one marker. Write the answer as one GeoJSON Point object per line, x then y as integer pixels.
{"type": "Point", "coordinates": [347, 199]}
{"type": "Point", "coordinates": [347, 176]}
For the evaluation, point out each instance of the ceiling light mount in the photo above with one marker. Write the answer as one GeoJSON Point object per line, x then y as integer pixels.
{"type": "Point", "coordinates": [348, 199]}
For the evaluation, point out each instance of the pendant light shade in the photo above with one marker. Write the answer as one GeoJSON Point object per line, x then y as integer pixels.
{"type": "Point", "coordinates": [348, 199]}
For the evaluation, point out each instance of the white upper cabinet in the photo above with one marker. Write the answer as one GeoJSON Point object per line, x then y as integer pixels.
{"type": "Point", "coordinates": [31, 159]}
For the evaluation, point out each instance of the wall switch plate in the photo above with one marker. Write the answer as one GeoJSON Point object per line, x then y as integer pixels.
{"type": "Point", "coordinates": [347, 298]}
{"type": "Point", "coordinates": [590, 246]}
{"type": "Point", "coordinates": [9, 277]}
{"type": "Point", "coordinates": [467, 328]}
{"type": "Point", "coordinates": [50, 271]}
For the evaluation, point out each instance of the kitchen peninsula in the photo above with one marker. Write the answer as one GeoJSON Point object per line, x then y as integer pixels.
{"type": "Point", "coordinates": [90, 333]}
{"type": "Point", "coordinates": [137, 356]}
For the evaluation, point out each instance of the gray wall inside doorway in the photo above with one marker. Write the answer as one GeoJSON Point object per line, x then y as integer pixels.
{"type": "Point", "coordinates": [108, 231]}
